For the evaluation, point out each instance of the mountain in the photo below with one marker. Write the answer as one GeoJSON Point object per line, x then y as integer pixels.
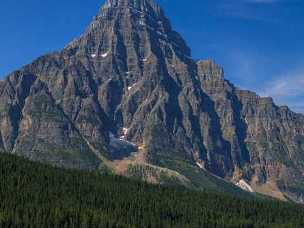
{"type": "Point", "coordinates": [126, 95]}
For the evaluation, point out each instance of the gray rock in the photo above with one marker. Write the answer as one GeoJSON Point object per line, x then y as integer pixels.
{"type": "Point", "coordinates": [131, 70]}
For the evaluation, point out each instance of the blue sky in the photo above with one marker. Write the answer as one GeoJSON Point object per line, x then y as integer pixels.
{"type": "Point", "coordinates": [258, 42]}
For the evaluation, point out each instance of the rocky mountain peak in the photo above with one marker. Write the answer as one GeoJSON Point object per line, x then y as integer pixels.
{"type": "Point", "coordinates": [129, 85]}
{"type": "Point", "coordinates": [144, 6]}
{"type": "Point", "coordinates": [129, 23]}
{"type": "Point", "coordinates": [135, 8]}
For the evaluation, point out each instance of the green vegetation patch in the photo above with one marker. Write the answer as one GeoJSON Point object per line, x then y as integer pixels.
{"type": "Point", "coordinates": [35, 195]}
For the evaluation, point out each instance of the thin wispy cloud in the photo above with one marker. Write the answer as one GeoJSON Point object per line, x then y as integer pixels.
{"type": "Point", "coordinates": [287, 90]}
{"type": "Point", "coordinates": [252, 72]}
{"type": "Point", "coordinates": [261, 10]}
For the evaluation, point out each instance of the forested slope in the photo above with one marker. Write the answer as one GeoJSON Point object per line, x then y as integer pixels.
{"type": "Point", "coordinates": [36, 195]}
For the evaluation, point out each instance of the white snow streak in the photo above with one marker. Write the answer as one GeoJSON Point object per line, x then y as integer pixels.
{"type": "Point", "coordinates": [200, 165]}
{"type": "Point", "coordinates": [131, 87]}
{"type": "Point", "coordinates": [244, 185]}
{"type": "Point", "coordinates": [105, 54]}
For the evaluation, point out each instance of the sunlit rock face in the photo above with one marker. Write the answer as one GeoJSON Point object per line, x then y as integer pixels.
{"type": "Point", "coordinates": [130, 81]}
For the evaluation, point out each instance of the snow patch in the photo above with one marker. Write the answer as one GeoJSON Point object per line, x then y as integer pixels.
{"type": "Point", "coordinates": [245, 120]}
{"type": "Point", "coordinates": [131, 87]}
{"type": "Point", "coordinates": [141, 147]}
{"type": "Point", "coordinates": [93, 56]}
{"type": "Point", "coordinates": [199, 165]}
{"type": "Point", "coordinates": [124, 133]}
{"type": "Point", "coordinates": [105, 54]}
{"type": "Point", "coordinates": [121, 140]}
{"type": "Point", "coordinates": [120, 147]}
{"type": "Point", "coordinates": [244, 185]}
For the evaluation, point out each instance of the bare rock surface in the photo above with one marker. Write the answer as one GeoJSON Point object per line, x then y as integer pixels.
{"type": "Point", "coordinates": [129, 84]}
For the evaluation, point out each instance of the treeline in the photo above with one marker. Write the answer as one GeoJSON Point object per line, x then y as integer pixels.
{"type": "Point", "coordinates": [35, 195]}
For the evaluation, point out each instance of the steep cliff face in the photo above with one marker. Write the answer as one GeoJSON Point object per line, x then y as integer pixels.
{"type": "Point", "coordinates": [33, 125]}
{"type": "Point", "coordinates": [266, 141]}
{"type": "Point", "coordinates": [129, 84]}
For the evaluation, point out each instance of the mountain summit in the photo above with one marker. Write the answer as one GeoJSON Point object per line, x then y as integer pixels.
{"type": "Point", "coordinates": [127, 95]}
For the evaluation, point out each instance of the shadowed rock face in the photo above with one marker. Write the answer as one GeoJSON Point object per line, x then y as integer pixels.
{"type": "Point", "coordinates": [130, 77]}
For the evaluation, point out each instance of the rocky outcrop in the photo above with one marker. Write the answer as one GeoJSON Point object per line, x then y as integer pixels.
{"type": "Point", "coordinates": [129, 83]}
{"type": "Point", "coordinates": [265, 140]}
